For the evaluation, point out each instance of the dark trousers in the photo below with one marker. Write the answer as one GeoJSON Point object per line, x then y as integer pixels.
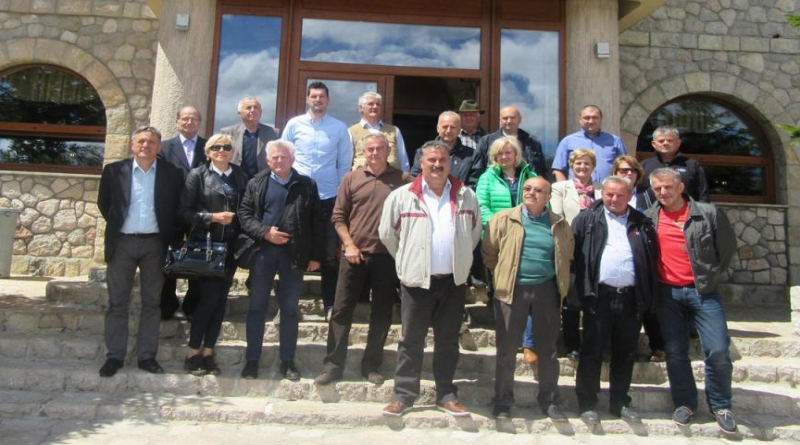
{"type": "Point", "coordinates": [169, 299]}
{"type": "Point", "coordinates": [377, 270]}
{"type": "Point", "coordinates": [210, 307]}
{"type": "Point", "coordinates": [329, 267]}
{"type": "Point", "coordinates": [271, 260]}
{"type": "Point", "coordinates": [653, 330]}
{"type": "Point", "coordinates": [441, 306]}
{"type": "Point", "coordinates": [542, 302]}
{"type": "Point", "coordinates": [146, 254]}
{"type": "Point", "coordinates": [571, 318]}
{"type": "Point", "coordinates": [615, 317]}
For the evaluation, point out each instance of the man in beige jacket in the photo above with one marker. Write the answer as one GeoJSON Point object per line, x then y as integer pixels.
{"type": "Point", "coordinates": [529, 249]}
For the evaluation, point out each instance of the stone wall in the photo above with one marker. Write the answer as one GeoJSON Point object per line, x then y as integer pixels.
{"type": "Point", "coordinates": [58, 229]}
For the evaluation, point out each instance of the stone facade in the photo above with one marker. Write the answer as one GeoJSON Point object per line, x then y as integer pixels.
{"type": "Point", "coordinates": [57, 231]}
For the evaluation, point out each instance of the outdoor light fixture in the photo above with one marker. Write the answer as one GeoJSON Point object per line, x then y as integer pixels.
{"type": "Point", "coordinates": [182, 22]}
{"type": "Point", "coordinates": [602, 50]}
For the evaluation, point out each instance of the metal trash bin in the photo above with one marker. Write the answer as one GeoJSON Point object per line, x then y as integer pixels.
{"type": "Point", "coordinates": [8, 226]}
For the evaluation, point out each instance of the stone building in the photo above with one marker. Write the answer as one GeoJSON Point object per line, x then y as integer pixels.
{"type": "Point", "coordinates": [715, 68]}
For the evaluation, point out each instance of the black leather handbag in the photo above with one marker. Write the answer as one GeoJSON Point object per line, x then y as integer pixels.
{"type": "Point", "coordinates": [196, 259]}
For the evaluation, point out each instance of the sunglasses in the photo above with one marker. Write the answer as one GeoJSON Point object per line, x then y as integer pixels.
{"type": "Point", "coordinates": [226, 147]}
{"type": "Point", "coordinates": [626, 170]}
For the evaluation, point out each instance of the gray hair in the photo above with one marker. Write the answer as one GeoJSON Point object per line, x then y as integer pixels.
{"type": "Point", "coordinates": [376, 136]}
{"type": "Point", "coordinates": [242, 101]}
{"type": "Point", "coordinates": [665, 172]}
{"type": "Point", "coordinates": [282, 143]}
{"type": "Point", "coordinates": [438, 145]}
{"type": "Point", "coordinates": [666, 130]}
{"type": "Point", "coordinates": [450, 114]}
{"type": "Point", "coordinates": [147, 129]}
{"type": "Point", "coordinates": [618, 180]}
{"type": "Point", "coordinates": [369, 95]}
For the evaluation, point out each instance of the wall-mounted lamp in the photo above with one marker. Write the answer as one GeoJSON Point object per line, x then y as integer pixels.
{"type": "Point", "coordinates": [602, 50]}
{"type": "Point", "coordinates": [182, 22]}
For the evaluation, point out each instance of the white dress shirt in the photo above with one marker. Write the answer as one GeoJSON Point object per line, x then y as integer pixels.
{"type": "Point", "coordinates": [188, 147]}
{"type": "Point", "coordinates": [616, 263]}
{"type": "Point", "coordinates": [443, 231]}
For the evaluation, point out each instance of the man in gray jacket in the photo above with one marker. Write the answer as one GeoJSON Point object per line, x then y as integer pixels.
{"type": "Point", "coordinates": [430, 227]}
{"type": "Point", "coordinates": [696, 244]}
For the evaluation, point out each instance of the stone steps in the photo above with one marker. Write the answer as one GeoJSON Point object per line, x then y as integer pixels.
{"type": "Point", "coordinates": [70, 348]}
{"type": "Point", "coordinates": [100, 406]}
{"type": "Point", "coordinates": [24, 315]}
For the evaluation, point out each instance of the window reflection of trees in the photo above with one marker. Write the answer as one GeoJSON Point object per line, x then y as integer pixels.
{"type": "Point", "coordinates": [727, 144]}
{"type": "Point", "coordinates": [50, 116]}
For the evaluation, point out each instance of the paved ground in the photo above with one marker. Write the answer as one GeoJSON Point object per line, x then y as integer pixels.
{"type": "Point", "coordinates": [41, 432]}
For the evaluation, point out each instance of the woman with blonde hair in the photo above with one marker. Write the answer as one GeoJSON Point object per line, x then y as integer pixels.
{"type": "Point", "coordinates": [208, 203]}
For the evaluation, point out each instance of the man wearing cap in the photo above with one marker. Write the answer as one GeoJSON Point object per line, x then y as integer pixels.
{"type": "Point", "coordinates": [471, 132]}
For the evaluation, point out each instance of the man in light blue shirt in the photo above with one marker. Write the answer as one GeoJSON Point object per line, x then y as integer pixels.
{"type": "Point", "coordinates": [607, 147]}
{"type": "Point", "coordinates": [324, 153]}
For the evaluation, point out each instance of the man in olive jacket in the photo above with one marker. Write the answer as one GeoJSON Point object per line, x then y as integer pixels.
{"type": "Point", "coordinates": [529, 249]}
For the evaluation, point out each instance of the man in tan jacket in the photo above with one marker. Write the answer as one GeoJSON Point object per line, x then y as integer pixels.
{"type": "Point", "coordinates": [529, 249]}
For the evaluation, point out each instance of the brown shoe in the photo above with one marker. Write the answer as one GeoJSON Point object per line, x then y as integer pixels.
{"type": "Point", "coordinates": [454, 408]}
{"type": "Point", "coordinates": [528, 356]}
{"type": "Point", "coordinates": [395, 409]}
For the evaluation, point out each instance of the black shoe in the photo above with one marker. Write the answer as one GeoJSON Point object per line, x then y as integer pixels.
{"type": "Point", "coordinates": [573, 355]}
{"type": "Point", "coordinates": [151, 365]}
{"type": "Point", "coordinates": [726, 421]}
{"type": "Point", "coordinates": [501, 412]}
{"type": "Point", "coordinates": [326, 378]}
{"type": "Point", "coordinates": [210, 365]}
{"type": "Point", "coordinates": [475, 281]}
{"type": "Point", "coordinates": [250, 370]}
{"type": "Point", "coordinates": [194, 365]}
{"type": "Point", "coordinates": [682, 415]}
{"type": "Point", "coordinates": [289, 371]}
{"type": "Point", "coordinates": [110, 367]}
{"type": "Point", "coordinates": [555, 414]}
{"type": "Point", "coordinates": [374, 377]}
{"type": "Point", "coordinates": [590, 417]}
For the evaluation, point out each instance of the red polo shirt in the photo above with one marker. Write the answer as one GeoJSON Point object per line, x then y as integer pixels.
{"type": "Point", "coordinates": [674, 267]}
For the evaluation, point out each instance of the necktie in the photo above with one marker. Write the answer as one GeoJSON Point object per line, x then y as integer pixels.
{"type": "Point", "coordinates": [188, 146]}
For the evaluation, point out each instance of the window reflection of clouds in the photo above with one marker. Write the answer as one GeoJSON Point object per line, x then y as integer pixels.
{"type": "Point", "coordinates": [249, 60]}
{"type": "Point", "coordinates": [390, 44]}
{"type": "Point", "coordinates": [529, 70]}
{"type": "Point", "coordinates": [344, 98]}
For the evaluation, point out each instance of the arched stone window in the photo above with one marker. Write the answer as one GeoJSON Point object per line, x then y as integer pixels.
{"type": "Point", "coordinates": [731, 148]}
{"type": "Point", "coordinates": [51, 119]}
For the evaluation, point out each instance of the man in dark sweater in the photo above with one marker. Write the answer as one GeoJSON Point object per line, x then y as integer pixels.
{"type": "Point", "coordinates": [666, 143]}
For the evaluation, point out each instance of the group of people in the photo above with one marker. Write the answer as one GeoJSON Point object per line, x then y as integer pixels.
{"type": "Point", "coordinates": [620, 242]}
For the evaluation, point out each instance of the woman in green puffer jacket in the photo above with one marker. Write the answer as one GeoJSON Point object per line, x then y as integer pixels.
{"type": "Point", "coordinates": [500, 188]}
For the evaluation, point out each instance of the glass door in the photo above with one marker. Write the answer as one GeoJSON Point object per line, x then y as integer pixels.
{"type": "Point", "coordinates": [344, 91]}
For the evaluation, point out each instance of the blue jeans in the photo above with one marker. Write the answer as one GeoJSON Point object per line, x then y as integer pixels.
{"type": "Point", "coordinates": [271, 260]}
{"type": "Point", "coordinates": [678, 306]}
{"type": "Point", "coordinates": [527, 335]}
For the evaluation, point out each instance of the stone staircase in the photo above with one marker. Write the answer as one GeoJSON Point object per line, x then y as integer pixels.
{"type": "Point", "coordinates": [51, 348]}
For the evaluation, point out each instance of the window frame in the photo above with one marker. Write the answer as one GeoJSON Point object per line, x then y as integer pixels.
{"type": "Point", "coordinates": [86, 133]}
{"type": "Point", "coordinates": [767, 162]}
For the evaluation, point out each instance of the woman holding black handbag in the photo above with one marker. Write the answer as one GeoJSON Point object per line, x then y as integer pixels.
{"type": "Point", "coordinates": [208, 203]}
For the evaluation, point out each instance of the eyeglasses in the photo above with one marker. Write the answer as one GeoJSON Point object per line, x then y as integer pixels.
{"type": "Point", "coordinates": [625, 171]}
{"type": "Point", "coordinates": [226, 147]}
{"type": "Point", "coordinates": [190, 119]}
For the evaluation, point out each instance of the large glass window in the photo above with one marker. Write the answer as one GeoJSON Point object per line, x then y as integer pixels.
{"type": "Point", "coordinates": [728, 145]}
{"type": "Point", "coordinates": [50, 119]}
{"type": "Point", "coordinates": [529, 79]}
{"type": "Point", "coordinates": [370, 43]}
{"type": "Point", "coordinates": [249, 58]}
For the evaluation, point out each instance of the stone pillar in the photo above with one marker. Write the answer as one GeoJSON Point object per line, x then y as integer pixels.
{"type": "Point", "coordinates": [591, 80]}
{"type": "Point", "coordinates": [183, 64]}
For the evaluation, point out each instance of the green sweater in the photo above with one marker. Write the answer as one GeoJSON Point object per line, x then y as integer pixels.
{"type": "Point", "coordinates": [493, 192]}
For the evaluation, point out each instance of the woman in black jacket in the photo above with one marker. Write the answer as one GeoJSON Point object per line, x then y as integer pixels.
{"type": "Point", "coordinates": [208, 203]}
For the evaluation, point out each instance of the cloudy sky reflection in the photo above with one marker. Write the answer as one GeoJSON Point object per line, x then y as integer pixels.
{"type": "Point", "coordinates": [248, 66]}
{"type": "Point", "coordinates": [390, 44]}
{"type": "Point", "coordinates": [529, 79]}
